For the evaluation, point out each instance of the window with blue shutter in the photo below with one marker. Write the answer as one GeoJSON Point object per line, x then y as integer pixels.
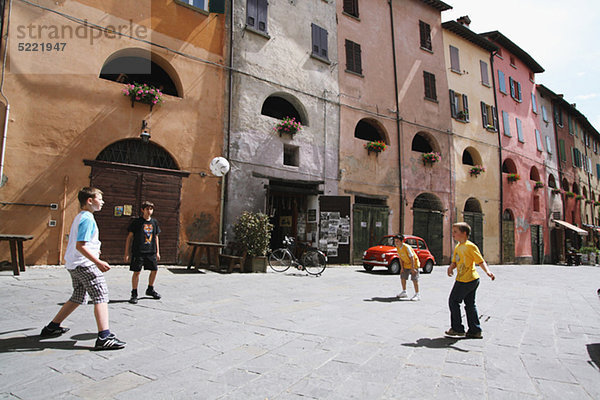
{"type": "Point", "coordinates": [485, 79]}
{"type": "Point", "coordinates": [520, 130]}
{"type": "Point", "coordinates": [200, 4]}
{"type": "Point", "coordinates": [533, 103]}
{"type": "Point", "coordinates": [538, 140]}
{"type": "Point", "coordinates": [256, 14]}
{"type": "Point", "coordinates": [544, 114]}
{"type": "Point", "coordinates": [506, 123]}
{"type": "Point", "coordinates": [501, 81]}
{"type": "Point", "coordinates": [454, 59]}
{"type": "Point", "coordinates": [548, 145]}
{"type": "Point", "coordinates": [453, 104]}
{"type": "Point", "coordinates": [319, 42]}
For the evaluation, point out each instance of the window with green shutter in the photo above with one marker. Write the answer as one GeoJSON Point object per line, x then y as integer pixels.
{"type": "Point", "coordinates": [561, 150]}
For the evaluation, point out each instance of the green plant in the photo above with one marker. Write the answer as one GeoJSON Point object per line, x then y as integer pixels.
{"type": "Point", "coordinates": [539, 184]}
{"type": "Point", "coordinates": [513, 177]}
{"type": "Point", "coordinates": [579, 197]}
{"type": "Point", "coordinates": [463, 115]}
{"type": "Point", "coordinates": [431, 158]}
{"type": "Point", "coordinates": [288, 125]}
{"type": "Point", "coordinates": [597, 203]}
{"type": "Point", "coordinates": [377, 146]}
{"type": "Point", "coordinates": [588, 249]}
{"type": "Point", "coordinates": [476, 170]}
{"type": "Point", "coordinates": [253, 231]}
{"type": "Point", "coordinates": [556, 191]}
{"type": "Point", "coordinates": [143, 93]}
{"type": "Point", "coordinates": [569, 194]}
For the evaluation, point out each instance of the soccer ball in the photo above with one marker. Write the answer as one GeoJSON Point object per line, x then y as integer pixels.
{"type": "Point", "coordinates": [219, 166]}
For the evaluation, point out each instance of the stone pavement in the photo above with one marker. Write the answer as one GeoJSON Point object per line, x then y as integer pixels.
{"type": "Point", "coordinates": [291, 336]}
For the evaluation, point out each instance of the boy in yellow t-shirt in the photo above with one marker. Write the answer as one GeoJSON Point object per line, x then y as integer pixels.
{"type": "Point", "coordinates": [465, 257]}
{"type": "Point", "coordinates": [409, 264]}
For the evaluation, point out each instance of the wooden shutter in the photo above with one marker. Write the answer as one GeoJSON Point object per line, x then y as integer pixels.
{"type": "Point", "coordinates": [548, 145]}
{"type": "Point", "coordinates": [538, 140]}
{"type": "Point", "coordinates": [511, 83]}
{"type": "Point", "coordinates": [323, 43]}
{"type": "Point", "coordinates": [353, 57]}
{"type": "Point", "coordinates": [454, 59]}
{"type": "Point", "coordinates": [429, 80]}
{"type": "Point", "coordinates": [520, 130]}
{"type": "Point", "coordinates": [534, 103]}
{"type": "Point", "coordinates": [252, 13]}
{"type": "Point", "coordinates": [501, 81]}
{"type": "Point", "coordinates": [485, 79]}
{"type": "Point", "coordinates": [262, 14]}
{"type": "Point", "coordinates": [453, 104]}
{"type": "Point", "coordinates": [315, 39]}
{"type": "Point", "coordinates": [425, 33]}
{"type": "Point", "coordinates": [465, 102]}
{"type": "Point", "coordinates": [561, 149]}
{"type": "Point", "coordinates": [484, 114]}
{"type": "Point", "coordinates": [506, 123]}
{"type": "Point", "coordinates": [351, 7]}
{"type": "Point", "coordinates": [495, 117]}
{"type": "Point", "coordinates": [518, 90]}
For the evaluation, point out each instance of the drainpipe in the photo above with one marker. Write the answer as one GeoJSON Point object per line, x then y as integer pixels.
{"type": "Point", "coordinates": [398, 129]}
{"type": "Point", "coordinates": [225, 180]}
{"type": "Point", "coordinates": [5, 129]}
{"type": "Point", "coordinates": [493, 54]}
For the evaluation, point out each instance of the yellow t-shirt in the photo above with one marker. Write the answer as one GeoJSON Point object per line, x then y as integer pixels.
{"type": "Point", "coordinates": [406, 253]}
{"type": "Point", "coordinates": [467, 256]}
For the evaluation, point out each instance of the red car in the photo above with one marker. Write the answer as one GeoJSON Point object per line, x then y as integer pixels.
{"type": "Point", "coordinates": [386, 255]}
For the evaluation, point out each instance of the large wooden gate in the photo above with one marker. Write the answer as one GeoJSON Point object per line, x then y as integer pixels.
{"type": "Point", "coordinates": [508, 238]}
{"type": "Point", "coordinates": [429, 225]}
{"type": "Point", "coordinates": [125, 187]}
{"type": "Point", "coordinates": [537, 244]}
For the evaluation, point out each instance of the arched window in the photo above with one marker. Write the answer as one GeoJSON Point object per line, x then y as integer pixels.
{"type": "Point", "coordinates": [585, 194]}
{"type": "Point", "coordinates": [135, 151]}
{"type": "Point", "coordinates": [368, 129]}
{"type": "Point", "coordinates": [565, 185]}
{"type": "Point", "coordinates": [428, 201]}
{"type": "Point", "coordinates": [473, 205]}
{"type": "Point", "coordinates": [509, 167]}
{"type": "Point", "coordinates": [551, 181]}
{"type": "Point", "coordinates": [507, 215]}
{"type": "Point", "coordinates": [575, 188]}
{"type": "Point", "coordinates": [471, 157]}
{"type": "Point", "coordinates": [276, 106]}
{"type": "Point", "coordinates": [137, 69]}
{"type": "Point", "coordinates": [422, 143]}
{"type": "Point", "coordinates": [534, 174]}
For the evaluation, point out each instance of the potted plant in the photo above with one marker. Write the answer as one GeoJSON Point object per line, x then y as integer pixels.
{"type": "Point", "coordinates": [597, 203]}
{"type": "Point", "coordinates": [143, 93]}
{"type": "Point", "coordinates": [431, 158]}
{"type": "Point", "coordinates": [253, 231]}
{"type": "Point", "coordinates": [556, 191]}
{"type": "Point", "coordinates": [288, 125]}
{"type": "Point", "coordinates": [463, 115]}
{"type": "Point", "coordinates": [375, 146]}
{"type": "Point", "coordinates": [513, 177]}
{"type": "Point", "coordinates": [579, 197]}
{"type": "Point", "coordinates": [476, 170]}
{"type": "Point", "coordinates": [539, 184]}
{"type": "Point", "coordinates": [569, 194]}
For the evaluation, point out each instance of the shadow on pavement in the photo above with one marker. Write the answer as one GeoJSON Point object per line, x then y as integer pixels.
{"type": "Point", "coordinates": [384, 299]}
{"type": "Point", "coordinates": [183, 270]}
{"type": "Point", "coordinates": [594, 352]}
{"type": "Point", "coordinates": [34, 343]}
{"type": "Point", "coordinates": [436, 343]}
{"type": "Point", "coordinates": [382, 271]}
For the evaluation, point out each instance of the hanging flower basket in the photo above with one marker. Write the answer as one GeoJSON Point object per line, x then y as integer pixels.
{"type": "Point", "coordinates": [288, 125]}
{"type": "Point", "coordinates": [143, 93]}
{"type": "Point", "coordinates": [376, 147]}
{"type": "Point", "coordinates": [539, 184]}
{"type": "Point", "coordinates": [476, 170]}
{"type": "Point", "coordinates": [431, 158]}
{"type": "Point", "coordinates": [513, 177]}
{"type": "Point", "coordinates": [569, 194]}
{"type": "Point", "coordinates": [556, 191]}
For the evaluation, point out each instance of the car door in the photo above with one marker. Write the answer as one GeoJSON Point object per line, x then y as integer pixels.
{"type": "Point", "coordinates": [422, 252]}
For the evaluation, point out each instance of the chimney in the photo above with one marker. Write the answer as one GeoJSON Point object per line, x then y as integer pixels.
{"type": "Point", "coordinates": [464, 21]}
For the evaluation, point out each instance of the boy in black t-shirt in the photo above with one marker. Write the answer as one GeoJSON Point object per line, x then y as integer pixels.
{"type": "Point", "coordinates": [142, 243]}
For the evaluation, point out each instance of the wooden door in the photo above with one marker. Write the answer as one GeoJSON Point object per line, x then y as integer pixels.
{"type": "Point", "coordinates": [475, 220]}
{"type": "Point", "coordinates": [508, 241]}
{"type": "Point", "coordinates": [429, 225]}
{"type": "Point", "coordinates": [537, 244]}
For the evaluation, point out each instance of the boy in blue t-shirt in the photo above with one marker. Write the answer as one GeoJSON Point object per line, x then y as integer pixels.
{"type": "Point", "coordinates": [86, 269]}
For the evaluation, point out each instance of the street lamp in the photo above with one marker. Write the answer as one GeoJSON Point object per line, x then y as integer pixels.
{"type": "Point", "coordinates": [145, 135]}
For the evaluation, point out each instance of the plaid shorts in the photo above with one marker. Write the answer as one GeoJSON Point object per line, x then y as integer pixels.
{"type": "Point", "coordinates": [404, 275]}
{"type": "Point", "coordinates": [88, 280]}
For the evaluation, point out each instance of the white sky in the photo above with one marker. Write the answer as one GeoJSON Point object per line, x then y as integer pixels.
{"type": "Point", "coordinates": [562, 36]}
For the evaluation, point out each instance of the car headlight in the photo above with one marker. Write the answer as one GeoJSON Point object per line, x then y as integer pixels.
{"type": "Point", "coordinates": [365, 254]}
{"type": "Point", "coordinates": [383, 257]}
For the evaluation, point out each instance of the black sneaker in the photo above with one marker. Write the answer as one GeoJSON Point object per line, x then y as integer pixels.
{"type": "Point", "coordinates": [48, 332]}
{"type": "Point", "coordinates": [133, 299]}
{"type": "Point", "coordinates": [474, 335]}
{"type": "Point", "coordinates": [153, 293]}
{"type": "Point", "coordinates": [109, 343]}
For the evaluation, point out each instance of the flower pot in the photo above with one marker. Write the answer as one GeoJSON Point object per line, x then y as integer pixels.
{"type": "Point", "coordinates": [256, 264]}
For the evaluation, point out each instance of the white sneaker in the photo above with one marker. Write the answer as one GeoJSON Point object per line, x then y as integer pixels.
{"type": "Point", "coordinates": [402, 295]}
{"type": "Point", "coordinates": [416, 297]}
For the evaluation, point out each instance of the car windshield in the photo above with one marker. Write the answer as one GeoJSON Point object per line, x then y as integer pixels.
{"type": "Point", "coordinates": [387, 241]}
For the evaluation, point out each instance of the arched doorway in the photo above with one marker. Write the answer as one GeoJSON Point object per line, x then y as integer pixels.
{"type": "Point", "coordinates": [508, 237]}
{"type": "Point", "coordinates": [474, 217]}
{"type": "Point", "coordinates": [428, 223]}
{"type": "Point", "coordinates": [129, 172]}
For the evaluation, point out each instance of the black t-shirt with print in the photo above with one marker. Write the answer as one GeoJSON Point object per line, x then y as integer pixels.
{"type": "Point", "coordinates": [144, 236]}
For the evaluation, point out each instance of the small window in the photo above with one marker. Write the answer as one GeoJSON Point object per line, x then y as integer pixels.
{"type": "Point", "coordinates": [485, 79]}
{"type": "Point", "coordinates": [515, 89]}
{"type": "Point", "coordinates": [454, 59]}
{"type": "Point", "coordinates": [520, 130]}
{"type": "Point", "coordinates": [544, 114]}
{"type": "Point", "coordinates": [200, 4]}
{"type": "Point", "coordinates": [538, 140]}
{"type": "Point", "coordinates": [501, 82]}
{"type": "Point", "coordinates": [512, 61]}
{"type": "Point", "coordinates": [570, 122]}
{"type": "Point", "coordinates": [422, 244]}
{"type": "Point", "coordinates": [353, 57]}
{"type": "Point", "coordinates": [291, 155]}
{"type": "Point", "coordinates": [562, 150]}
{"type": "Point", "coordinates": [425, 35]}
{"type": "Point", "coordinates": [558, 116]}
{"type": "Point", "coordinates": [534, 103]}
{"type": "Point", "coordinates": [536, 203]}
{"type": "Point", "coordinates": [256, 15]}
{"type": "Point", "coordinates": [489, 117]}
{"type": "Point", "coordinates": [319, 42]}
{"type": "Point", "coordinates": [429, 81]}
{"type": "Point", "coordinates": [548, 145]}
{"type": "Point", "coordinates": [351, 7]}
{"type": "Point", "coordinates": [506, 124]}
{"type": "Point", "coordinates": [459, 106]}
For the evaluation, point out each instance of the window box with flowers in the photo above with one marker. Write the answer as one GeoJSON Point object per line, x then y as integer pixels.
{"type": "Point", "coordinates": [288, 125]}
{"type": "Point", "coordinates": [579, 197]}
{"type": "Point", "coordinates": [143, 93]}
{"type": "Point", "coordinates": [588, 201]}
{"type": "Point", "coordinates": [569, 194]}
{"type": "Point", "coordinates": [597, 203]}
{"type": "Point", "coordinates": [513, 177]}
{"type": "Point", "coordinates": [538, 185]}
{"type": "Point", "coordinates": [463, 116]}
{"type": "Point", "coordinates": [431, 158]}
{"type": "Point", "coordinates": [476, 170]}
{"type": "Point", "coordinates": [375, 146]}
{"type": "Point", "coordinates": [556, 191]}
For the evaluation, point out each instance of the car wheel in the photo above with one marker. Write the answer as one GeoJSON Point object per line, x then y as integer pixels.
{"type": "Point", "coordinates": [368, 267]}
{"type": "Point", "coordinates": [394, 267]}
{"type": "Point", "coordinates": [428, 267]}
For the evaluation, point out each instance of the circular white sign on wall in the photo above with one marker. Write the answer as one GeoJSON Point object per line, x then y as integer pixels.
{"type": "Point", "coordinates": [219, 166]}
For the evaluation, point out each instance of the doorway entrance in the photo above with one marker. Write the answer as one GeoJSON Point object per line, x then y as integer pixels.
{"type": "Point", "coordinates": [428, 223]}
{"type": "Point", "coordinates": [508, 237]}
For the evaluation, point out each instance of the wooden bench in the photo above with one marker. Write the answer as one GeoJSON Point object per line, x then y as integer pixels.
{"type": "Point", "coordinates": [16, 251]}
{"type": "Point", "coordinates": [208, 248]}
{"type": "Point", "coordinates": [234, 257]}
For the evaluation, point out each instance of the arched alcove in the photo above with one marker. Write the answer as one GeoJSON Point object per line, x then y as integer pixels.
{"type": "Point", "coordinates": [281, 105]}
{"type": "Point", "coordinates": [136, 152]}
{"type": "Point", "coordinates": [423, 143]}
{"type": "Point", "coordinates": [551, 181]}
{"type": "Point", "coordinates": [471, 156]}
{"type": "Point", "coordinates": [370, 129]}
{"type": "Point", "coordinates": [534, 174]}
{"type": "Point", "coordinates": [509, 166]}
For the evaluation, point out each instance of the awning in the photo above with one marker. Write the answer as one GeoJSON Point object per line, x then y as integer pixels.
{"type": "Point", "coordinates": [571, 227]}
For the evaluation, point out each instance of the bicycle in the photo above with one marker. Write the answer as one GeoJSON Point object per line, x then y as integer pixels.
{"type": "Point", "coordinates": [312, 261]}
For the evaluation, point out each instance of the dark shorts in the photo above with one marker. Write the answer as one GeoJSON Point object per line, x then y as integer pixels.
{"type": "Point", "coordinates": [147, 260]}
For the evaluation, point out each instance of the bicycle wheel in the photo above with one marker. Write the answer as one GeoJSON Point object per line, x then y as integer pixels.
{"type": "Point", "coordinates": [314, 262]}
{"type": "Point", "coordinates": [280, 260]}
